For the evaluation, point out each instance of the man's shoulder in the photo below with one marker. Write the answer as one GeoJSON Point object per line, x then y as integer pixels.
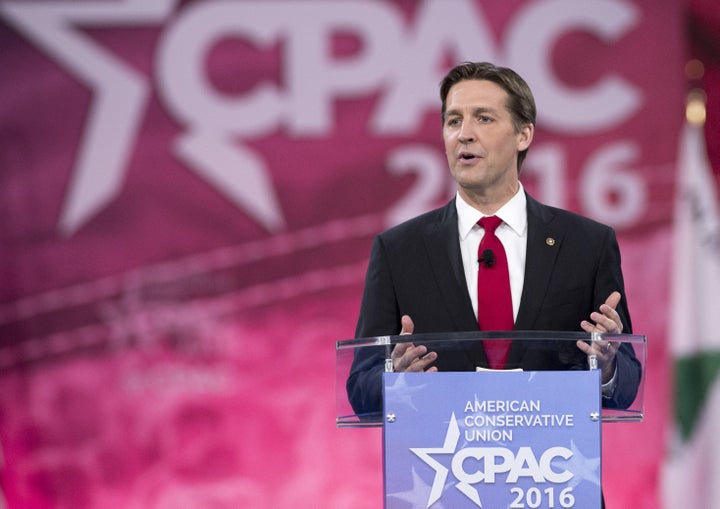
{"type": "Point", "coordinates": [564, 218]}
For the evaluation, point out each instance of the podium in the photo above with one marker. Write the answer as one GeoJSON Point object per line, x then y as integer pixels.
{"type": "Point", "coordinates": [528, 436]}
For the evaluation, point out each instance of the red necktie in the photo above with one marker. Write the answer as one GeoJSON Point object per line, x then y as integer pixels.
{"type": "Point", "coordinates": [495, 310]}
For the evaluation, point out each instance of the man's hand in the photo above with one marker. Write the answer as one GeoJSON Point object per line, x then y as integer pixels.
{"type": "Point", "coordinates": [607, 321]}
{"type": "Point", "coordinates": [407, 357]}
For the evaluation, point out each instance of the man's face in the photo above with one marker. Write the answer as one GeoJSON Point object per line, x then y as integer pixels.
{"type": "Point", "coordinates": [481, 144]}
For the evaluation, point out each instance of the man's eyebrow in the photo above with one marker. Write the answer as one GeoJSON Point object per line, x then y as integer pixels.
{"type": "Point", "coordinates": [484, 109]}
{"type": "Point", "coordinates": [451, 112]}
{"type": "Point", "coordinates": [475, 111]}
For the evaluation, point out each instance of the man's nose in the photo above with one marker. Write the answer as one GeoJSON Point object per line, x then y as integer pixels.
{"type": "Point", "coordinates": [467, 133]}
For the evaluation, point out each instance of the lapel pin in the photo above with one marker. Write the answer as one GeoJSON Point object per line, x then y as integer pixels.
{"type": "Point", "coordinates": [550, 241]}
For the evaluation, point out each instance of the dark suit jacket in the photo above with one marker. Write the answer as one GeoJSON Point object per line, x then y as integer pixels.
{"type": "Point", "coordinates": [416, 269]}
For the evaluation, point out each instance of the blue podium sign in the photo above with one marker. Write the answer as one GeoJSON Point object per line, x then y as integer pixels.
{"type": "Point", "coordinates": [500, 439]}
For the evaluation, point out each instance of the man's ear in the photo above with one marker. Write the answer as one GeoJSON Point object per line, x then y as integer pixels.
{"type": "Point", "coordinates": [525, 136]}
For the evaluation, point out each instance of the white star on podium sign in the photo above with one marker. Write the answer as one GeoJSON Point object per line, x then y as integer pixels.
{"type": "Point", "coordinates": [441, 471]}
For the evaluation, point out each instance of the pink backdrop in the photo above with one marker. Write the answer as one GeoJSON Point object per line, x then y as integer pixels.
{"type": "Point", "coordinates": [189, 191]}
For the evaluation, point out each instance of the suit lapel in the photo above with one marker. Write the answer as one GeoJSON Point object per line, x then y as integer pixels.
{"type": "Point", "coordinates": [543, 245]}
{"type": "Point", "coordinates": [443, 248]}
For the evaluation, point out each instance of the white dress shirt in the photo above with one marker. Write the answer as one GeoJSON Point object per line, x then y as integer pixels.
{"type": "Point", "coordinates": [512, 233]}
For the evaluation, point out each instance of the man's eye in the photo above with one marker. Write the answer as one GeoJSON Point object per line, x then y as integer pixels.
{"type": "Point", "coordinates": [485, 119]}
{"type": "Point", "coordinates": [453, 122]}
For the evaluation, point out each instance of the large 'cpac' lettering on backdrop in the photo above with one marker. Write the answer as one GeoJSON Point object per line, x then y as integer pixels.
{"type": "Point", "coordinates": [402, 60]}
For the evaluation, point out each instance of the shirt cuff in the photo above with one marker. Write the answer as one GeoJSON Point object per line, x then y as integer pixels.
{"type": "Point", "coordinates": [608, 389]}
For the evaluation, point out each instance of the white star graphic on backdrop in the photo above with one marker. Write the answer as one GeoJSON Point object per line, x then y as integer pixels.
{"type": "Point", "coordinates": [120, 98]}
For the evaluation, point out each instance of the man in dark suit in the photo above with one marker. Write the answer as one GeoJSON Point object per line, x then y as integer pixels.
{"type": "Point", "coordinates": [564, 269]}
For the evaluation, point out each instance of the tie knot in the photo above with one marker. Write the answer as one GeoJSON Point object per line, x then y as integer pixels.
{"type": "Point", "coordinates": [490, 223]}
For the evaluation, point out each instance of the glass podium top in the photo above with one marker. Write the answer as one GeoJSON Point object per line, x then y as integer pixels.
{"type": "Point", "coordinates": [360, 364]}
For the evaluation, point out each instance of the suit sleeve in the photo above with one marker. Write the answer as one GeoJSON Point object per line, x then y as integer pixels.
{"type": "Point", "coordinates": [379, 313]}
{"type": "Point", "coordinates": [379, 316]}
{"type": "Point", "coordinates": [610, 278]}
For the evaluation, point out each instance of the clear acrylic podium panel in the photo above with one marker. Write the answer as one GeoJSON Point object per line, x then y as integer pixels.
{"type": "Point", "coordinates": [539, 342]}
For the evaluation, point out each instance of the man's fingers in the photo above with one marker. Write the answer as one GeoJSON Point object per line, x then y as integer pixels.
{"type": "Point", "coordinates": [422, 361]}
{"type": "Point", "coordinates": [408, 357]}
{"type": "Point", "coordinates": [613, 299]}
{"type": "Point", "coordinates": [602, 349]}
{"type": "Point", "coordinates": [400, 349]}
{"type": "Point", "coordinates": [406, 325]}
{"type": "Point", "coordinates": [607, 320]}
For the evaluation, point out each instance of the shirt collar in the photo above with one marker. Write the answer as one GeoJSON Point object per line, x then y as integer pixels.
{"type": "Point", "coordinates": [513, 213]}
